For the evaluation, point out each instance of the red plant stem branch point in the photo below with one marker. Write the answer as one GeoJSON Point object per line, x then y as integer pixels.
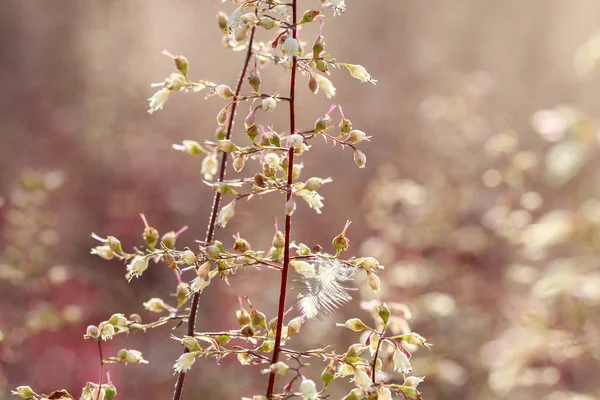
{"type": "Point", "coordinates": [288, 218]}
{"type": "Point", "coordinates": [215, 208]}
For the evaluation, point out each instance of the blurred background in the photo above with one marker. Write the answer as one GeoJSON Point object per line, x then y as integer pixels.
{"type": "Point", "coordinates": [480, 196]}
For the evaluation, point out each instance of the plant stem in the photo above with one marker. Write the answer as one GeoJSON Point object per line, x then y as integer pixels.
{"type": "Point", "coordinates": [288, 218]}
{"type": "Point", "coordinates": [376, 355]}
{"type": "Point", "coordinates": [101, 368]}
{"type": "Point", "coordinates": [215, 208]}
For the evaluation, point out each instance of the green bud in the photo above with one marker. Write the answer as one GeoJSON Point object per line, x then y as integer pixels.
{"type": "Point", "coordinates": [110, 391]}
{"type": "Point", "coordinates": [384, 313]}
{"type": "Point", "coordinates": [328, 374]}
{"type": "Point", "coordinates": [355, 324]}
{"type": "Point", "coordinates": [150, 236]}
{"type": "Point", "coordinates": [182, 64]}
{"type": "Point", "coordinates": [24, 392]}
{"type": "Point", "coordinates": [278, 240]}
{"type": "Point", "coordinates": [114, 244]}
{"type": "Point", "coordinates": [169, 239]}
{"type": "Point", "coordinates": [259, 319]}
{"type": "Point", "coordinates": [294, 326]}
{"type": "Point", "coordinates": [309, 16]}
{"type": "Point", "coordinates": [241, 245]}
{"type": "Point", "coordinates": [243, 317]}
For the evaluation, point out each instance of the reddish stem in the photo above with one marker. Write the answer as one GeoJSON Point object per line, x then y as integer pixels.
{"type": "Point", "coordinates": [288, 218]}
{"type": "Point", "coordinates": [215, 209]}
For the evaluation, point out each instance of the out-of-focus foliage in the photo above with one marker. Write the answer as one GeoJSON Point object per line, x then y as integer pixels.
{"type": "Point", "coordinates": [484, 211]}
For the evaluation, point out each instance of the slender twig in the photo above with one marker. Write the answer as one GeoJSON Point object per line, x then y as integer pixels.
{"type": "Point", "coordinates": [380, 339]}
{"type": "Point", "coordinates": [215, 209]}
{"type": "Point", "coordinates": [101, 368]}
{"type": "Point", "coordinates": [288, 218]}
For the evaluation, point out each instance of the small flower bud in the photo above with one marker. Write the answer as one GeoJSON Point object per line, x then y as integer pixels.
{"type": "Point", "coordinates": [244, 358]}
{"type": "Point", "coordinates": [374, 281]}
{"type": "Point", "coordinates": [136, 267]}
{"type": "Point", "coordinates": [362, 379]}
{"type": "Point", "coordinates": [188, 257]}
{"type": "Point", "coordinates": [103, 251]}
{"type": "Point", "coordinates": [384, 313]}
{"type": "Point", "coordinates": [155, 305]}
{"type": "Point", "coordinates": [328, 374]}
{"type": "Point", "coordinates": [227, 146]}
{"type": "Point", "coordinates": [357, 136]}
{"type": "Point", "coordinates": [150, 236]}
{"type": "Point", "coordinates": [303, 250]}
{"type": "Point", "coordinates": [321, 65]}
{"type": "Point", "coordinates": [107, 331]}
{"type": "Point", "coordinates": [290, 206]}
{"type": "Point", "coordinates": [248, 331]}
{"type": "Point", "coordinates": [309, 16]}
{"type": "Point", "coordinates": [413, 338]}
{"type": "Point", "coordinates": [131, 357]}
{"type": "Point", "coordinates": [279, 368]}
{"type": "Point", "coordinates": [259, 180]}
{"type": "Point", "coordinates": [269, 170]}
{"type": "Point", "coordinates": [273, 324]}
{"type": "Point", "coordinates": [226, 214]}
{"type": "Point", "coordinates": [269, 104]}
{"type": "Point", "coordinates": [189, 146]}
{"type": "Point", "coordinates": [239, 162]}
{"type": "Point", "coordinates": [291, 47]}
{"type": "Point", "coordinates": [346, 126]}
{"type": "Point", "coordinates": [318, 46]}
{"type": "Point", "coordinates": [367, 263]}
{"type": "Point", "coordinates": [313, 84]}
{"type": "Point", "coordinates": [241, 34]}
{"type": "Point", "coordinates": [325, 85]}
{"type": "Point", "coordinates": [135, 318]}
{"type": "Point", "coordinates": [24, 392]}
{"type": "Point", "coordinates": [175, 82]}
{"type": "Point", "coordinates": [114, 244]}
{"type": "Point", "coordinates": [412, 381]}
{"type": "Point", "coordinates": [110, 391]}
{"type": "Point", "coordinates": [278, 240]}
{"type": "Point", "coordinates": [274, 139]}
{"type": "Point", "coordinates": [185, 362]}
{"type": "Point", "coordinates": [309, 390]}
{"type": "Point", "coordinates": [252, 132]}
{"type": "Point", "coordinates": [224, 91]}
{"type": "Point", "coordinates": [341, 242]}
{"type": "Point", "coordinates": [158, 100]}
{"type": "Point", "coordinates": [169, 239]}
{"type": "Point", "coordinates": [294, 326]}
{"type": "Point", "coordinates": [355, 394]}
{"type": "Point", "coordinates": [255, 80]}
{"type": "Point", "coordinates": [258, 318]}
{"type": "Point", "coordinates": [91, 332]}
{"type": "Point", "coordinates": [322, 122]}
{"type": "Point", "coordinates": [118, 320]}
{"type": "Point", "coordinates": [355, 325]}
{"type": "Point", "coordinates": [220, 133]}
{"type": "Point", "coordinates": [401, 362]}
{"type": "Point", "coordinates": [182, 64]}
{"type": "Point", "coordinates": [191, 343]}
{"type": "Point", "coordinates": [359, 72]}
{"type": "Point", "coordinates": [222, 19]}
{"type": "Point", "coordinates": [267, 23]}
{"type": "Point", "coordinates": [243, 317]}
{"type": "Point", "coordinates": [183, 292]}
{"type": "Point", "coordinates": [359, 158]}
{"type": "Point", "coordinates": [222, 115]}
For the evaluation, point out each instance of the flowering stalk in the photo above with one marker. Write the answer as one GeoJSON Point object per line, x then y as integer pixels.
{"type": "Point", "coordinates": [215, 209]}
{"type": "Point", "coordinates": [288, 217]}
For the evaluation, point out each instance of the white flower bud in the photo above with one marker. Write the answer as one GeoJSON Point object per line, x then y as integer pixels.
{"type": "Point", "coordinates": [308, 390]}
{"type": "Point", "coordinates": [188, 257]}
{"type": "Point", "coordinates": [359, 158]}
{"type": "Point", "coordinates": [224, 91]}
{"type": "Point", "coordinates": [291, 47]}
{"type": "Point", "coordinates": [136, 267]}
{"type": "Point", "coordinates": [359, 72]}
{"type": "Point", "coordinates": [158, 100]}
{"type": "Point", "coordinates": [155, 305]}
{"type": "Point", "coordinates": [413, 381]}
{"type": "Point", "coordinates": [362, 379]}
{"type": "Point", "coordinates": [107, 331]}
{"type": "Point", "coordinates": [269, 103]}
{"type": "Point", "coordinates": [401, 362]}
{"type": "Point", "coordinates": [226, 213]}
{"type": "Point", "coordinates": [356, 136]}
{"type": "Point", "coordinates": [185, 362]}
{"type": "Point", "coordinates": [104, 252]}
{"type": "Point", "coordinates": [24, 392]}
{"type": "Point", "coordinates": [325, 85]}
{"type": "Point", "coordinates": [209, 166]}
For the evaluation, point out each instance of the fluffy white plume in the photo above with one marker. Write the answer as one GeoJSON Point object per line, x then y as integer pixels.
{"type": "Point", "coordinates": [324, 290]}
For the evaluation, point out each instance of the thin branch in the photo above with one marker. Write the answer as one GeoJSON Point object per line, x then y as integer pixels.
{"type": "Point", "coordinates": [288, 218]}
{"type": "Point", "coordinates": [101, 368]}
{"type": "Point", "coordinates": [215, 209]}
